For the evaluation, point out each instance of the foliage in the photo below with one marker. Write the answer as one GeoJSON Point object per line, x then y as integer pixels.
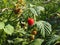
{"type": "Point", "coordinates": [14, 27]}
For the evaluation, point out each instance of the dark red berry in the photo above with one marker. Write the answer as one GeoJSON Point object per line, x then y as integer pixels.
{"type": "Point", "coordinates": [17, 11]}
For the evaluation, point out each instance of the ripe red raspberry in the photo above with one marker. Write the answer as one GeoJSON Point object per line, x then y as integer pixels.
{"type": "Point", "coordinates": [30, 21]}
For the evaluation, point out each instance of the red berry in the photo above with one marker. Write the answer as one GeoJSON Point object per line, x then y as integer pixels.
{"type": "Point", "coordinates": [30, 21]}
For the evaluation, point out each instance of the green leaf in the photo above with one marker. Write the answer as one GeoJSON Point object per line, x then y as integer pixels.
{"type": "Point", "coordinates": [5, 1]}
{"type": "Point", "coordinates": [37, 42]}
{"type": "Point", "coordinates": [39, 9]}
{"type": "Point", "coordinates": [44, 27]}
{"type": "Point", "coordinates": [2, 25]}
{"type": "Point", "coordinates": [24, 43]}
{"type": "Point", "coordinates": [9, 29]}
{"type": "Point", "coordinates": [21, 30]}
{"type": "Point", "coordinates": [33, 11]}
{"type": "Point", "coordinates": [17, 40]}
{"type": "Point", "coordinates": [10, 41]}
{"type": "Point", "coordinates": [58, 10]}
{"type": "Point", "coordinates": [52, 39]}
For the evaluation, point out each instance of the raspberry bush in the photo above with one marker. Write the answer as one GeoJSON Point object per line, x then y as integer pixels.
{"type": "Point", "coordinates": [29, 22]}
